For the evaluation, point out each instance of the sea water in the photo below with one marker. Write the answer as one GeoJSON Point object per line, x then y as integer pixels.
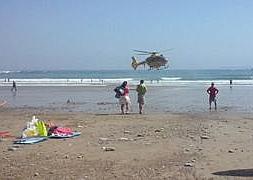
{"type": "Point", "coordinates": [92, 91]}
{"type": "Point", "coordinates": [108, 77]}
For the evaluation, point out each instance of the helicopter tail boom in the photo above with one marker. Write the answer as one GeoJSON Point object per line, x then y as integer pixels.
{"type": "Point", "coordinates": [135, 63]}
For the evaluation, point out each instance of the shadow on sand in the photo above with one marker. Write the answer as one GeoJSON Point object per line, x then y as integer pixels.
{"type": "Point", "coordinates": [236, 172]}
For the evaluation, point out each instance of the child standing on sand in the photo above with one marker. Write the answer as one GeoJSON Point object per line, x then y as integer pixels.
{"type": "Point", "coordinates": [212, 91]}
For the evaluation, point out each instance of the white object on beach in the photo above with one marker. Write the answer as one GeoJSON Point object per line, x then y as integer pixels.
{"type": "Point", "coordinates": [34, 120]}
{"type": "Point", "coordinates": [125, 139]}
{"type": "Point", "coordinates": [31, 129]}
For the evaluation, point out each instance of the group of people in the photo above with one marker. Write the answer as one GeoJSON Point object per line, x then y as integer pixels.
{"type": "Point", "coordinates": [122, 93]}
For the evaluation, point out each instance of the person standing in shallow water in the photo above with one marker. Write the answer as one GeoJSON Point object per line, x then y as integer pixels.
{"type": "Point", "coordinates": [124, 99]}
{"type": "Point", "coordinates": [212, 91]}
{"type": "Point", "coordinates": [14, 87]}
{"type": "Point", "coordinates": [231, 83]}
{"type": "Point", "coordinates": [141, 90]}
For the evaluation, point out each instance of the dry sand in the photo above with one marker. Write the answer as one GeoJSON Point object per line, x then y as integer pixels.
{"type": "Point", "coordinates": [214, 145]}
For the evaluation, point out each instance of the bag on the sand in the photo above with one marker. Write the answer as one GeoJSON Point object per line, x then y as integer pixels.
{"type": "Point", "coordinates": [41, 128]}
{"type": "Point", "coordinates": [29, 133]}
{"type": "Point", "coordinates": [30, 129]}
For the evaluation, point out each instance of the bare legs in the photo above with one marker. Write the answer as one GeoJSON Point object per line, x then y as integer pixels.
{"type": "Point", "coordinates": [215, 104]}
{"type": "Point", "coordinates": [122, 108]}
{"type": "Point", "coordinates": [140, 108]}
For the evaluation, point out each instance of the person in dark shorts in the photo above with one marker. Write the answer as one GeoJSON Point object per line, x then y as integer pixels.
{"type": "Point", "coordinates": [141, 90]}
{"type": "Point", "coordinates": [212, 91]}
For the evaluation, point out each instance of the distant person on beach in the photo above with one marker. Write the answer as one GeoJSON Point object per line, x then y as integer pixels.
{"type": "Point", "coordinates": [212, 91]}
{"type": "Point", "coordinates": [14, 86]}
{"type": "Point", "coordinates": [124, 99]}
{"type": "Point", "coordinates": [141, 90]}
{"type": "Point", "coordinates": [231, 83]}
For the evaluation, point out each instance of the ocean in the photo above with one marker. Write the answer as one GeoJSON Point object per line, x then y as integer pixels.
{"type": "Point", "coordinates": [109, 77]}
{"type": "Point", "coordinates": [92, 91]}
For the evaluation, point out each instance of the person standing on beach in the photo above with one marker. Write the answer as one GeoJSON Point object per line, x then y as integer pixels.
{"type": "Point", "coordinates": [212, 91]}
{"type": "Point", "coordinates": [124, 99]}
{"type": "Point", "coordinates": [14, 87]}
{"type": "Point", "coordinates": [231, 83]}
{"type": "Point", "coordinates": [141, 90]}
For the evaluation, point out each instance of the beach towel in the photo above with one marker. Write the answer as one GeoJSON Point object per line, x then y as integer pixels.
{"type": "Point", "coordinates": [73, 134]}
{"type": "Point", "coordinates": [62, 131]}
{"type": "Point", "coordinates": [30, 140]}
{"type": "Point", "coordinates": [5, 134]}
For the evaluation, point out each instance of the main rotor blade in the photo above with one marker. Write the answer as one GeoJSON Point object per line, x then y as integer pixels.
{"type": "Point", "coordinates": [142, 51]}
{"type": "Point", "coordinates": [167, 50]}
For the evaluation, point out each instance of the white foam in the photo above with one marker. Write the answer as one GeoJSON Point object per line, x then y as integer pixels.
{"type": "Point", "coordinates": [63, 82]}
{"type": "Point", "coordinates": [103, 82]}
{"type": "Point", "coordinates": [7, 72]}
{"type": "Point", "coordinates": [171, 78]}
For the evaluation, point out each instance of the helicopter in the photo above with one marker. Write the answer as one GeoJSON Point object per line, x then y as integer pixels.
{"type": "Point", "coordinates": [155, 61]}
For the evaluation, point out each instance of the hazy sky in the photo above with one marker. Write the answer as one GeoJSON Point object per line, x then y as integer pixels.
{"type": "Point", "coordinates": [101, 34]}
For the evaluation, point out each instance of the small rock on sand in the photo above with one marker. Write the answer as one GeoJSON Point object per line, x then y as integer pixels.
{"type": "Point", "coordinates": [204, 137]}
{"type": "Point", "coordinates": [12, 149]}
{"type": "Point", "coordinates": [80, 156]}
{"type": "Point", "coordinates": [188, 164]}
{"type": "Point", "coordinates": [108, 148]}
{"type": "Point", "coordinates": [140, 135]}
{"type": "Point", "coordinates": [103, 139]}
{"type": "Point", "coordinates": [231, 151]}
{"type": "Point", "coordinates": [125, 139]}
{"type": "Point", "coordinates": [157, 130]}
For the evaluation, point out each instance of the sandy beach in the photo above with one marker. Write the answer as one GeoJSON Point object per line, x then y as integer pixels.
{"type": "Point", "coordinates": [207, 145]}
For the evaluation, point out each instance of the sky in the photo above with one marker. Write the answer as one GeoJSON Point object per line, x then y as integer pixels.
{"type": "Point", "coordinates": [96, 35]}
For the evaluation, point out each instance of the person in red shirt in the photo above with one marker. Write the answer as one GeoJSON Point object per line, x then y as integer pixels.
{"type": "Point", "coordinates": [212, 91]}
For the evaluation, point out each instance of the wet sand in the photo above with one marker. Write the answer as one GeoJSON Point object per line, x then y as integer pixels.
{"type": "Point", "coordinates": [101, 99]}
{"type": "Point", "coordinates": [195, 145]}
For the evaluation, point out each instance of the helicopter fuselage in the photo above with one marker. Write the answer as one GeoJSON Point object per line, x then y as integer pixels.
{"type": "Point", "coordinates": [156, 61]}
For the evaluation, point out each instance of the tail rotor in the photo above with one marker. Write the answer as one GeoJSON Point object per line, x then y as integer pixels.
{"type": "Point", "coordinates": [134, 63]}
